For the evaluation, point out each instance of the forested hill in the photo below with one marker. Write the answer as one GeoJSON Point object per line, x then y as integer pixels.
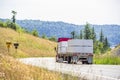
{"type": "Point", "coordinates": [61, 29]}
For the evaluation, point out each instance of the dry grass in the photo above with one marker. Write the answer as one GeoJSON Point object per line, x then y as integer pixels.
{"type": "Point", "coordinates": [10, 69]}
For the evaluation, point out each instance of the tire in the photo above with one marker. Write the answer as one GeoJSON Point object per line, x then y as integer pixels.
{"type": "Point", "coordinates": [85, 62]}
{"type": "Point", "coordinates": [90, 63]}
{"type": "Point", "coordinates": [69, 59]}
{"type": "Point", "coordinates": [82, 62]}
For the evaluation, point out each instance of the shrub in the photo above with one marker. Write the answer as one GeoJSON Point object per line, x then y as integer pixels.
{"type": "Point", "coordinates": [35, 33]}
{"type": "Point", "coordinates": [53, 38]}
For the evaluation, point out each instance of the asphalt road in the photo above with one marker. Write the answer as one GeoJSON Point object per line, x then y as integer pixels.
{"type": "Point", "coordinates": [88, 72]}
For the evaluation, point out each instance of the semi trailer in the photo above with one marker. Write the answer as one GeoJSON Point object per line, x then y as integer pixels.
{"type": "Point", "coordinates": [74, 51]}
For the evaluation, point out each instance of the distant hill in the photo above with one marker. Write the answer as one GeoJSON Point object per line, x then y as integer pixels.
{"type": "Point", "coordinates": [29, 46]}
{"type": "Point", "coordinates": [61, 29]}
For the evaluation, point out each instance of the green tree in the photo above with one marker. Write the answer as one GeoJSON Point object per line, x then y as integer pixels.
{"type": "Point", "coordinates": [106, 44]}
{"type": "Point", "coordinates": [8, 23]}
{"type": "Point", "coordinates": [101, 36]}
{"type": "Point", "coordinates": [87, 31]}
{"type": "Point", "coordinates": [98, 47]}
{"type": "Point", "coordinates": [13, 17]}
{"type": "Point", "coordinates": [13, 26]}
{"type": "Point", "coordinates": [35, 33]}
{"type": "Point", "coordinates": [93, 35]}
{"type": "Point", "coordinates": [81, 34]}
{"type": "Point", "coordinates": [73, 34]}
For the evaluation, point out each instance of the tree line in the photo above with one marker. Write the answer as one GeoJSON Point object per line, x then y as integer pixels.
{"type": "Point", "coordinates": [101, 45]}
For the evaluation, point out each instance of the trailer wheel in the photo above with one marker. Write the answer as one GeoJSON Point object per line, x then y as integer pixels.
{"type": "Point", "coordinates": [85, 62]}
{"type": "Point", "coordinates": [69, 59]}
{"type": "Point", "coordinates": [82, 62]}
{"type": "Point", "coordinates": [90, 63]}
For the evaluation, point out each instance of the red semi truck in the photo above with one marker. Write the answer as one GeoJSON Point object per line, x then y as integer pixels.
{"type": "Point", "coordinates": [74, 50]}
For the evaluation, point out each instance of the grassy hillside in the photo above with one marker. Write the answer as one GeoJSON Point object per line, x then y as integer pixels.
{"type": "Point", "coordinates": [29, 46]}
{"type": "Point", "coordinates": [110, 57]}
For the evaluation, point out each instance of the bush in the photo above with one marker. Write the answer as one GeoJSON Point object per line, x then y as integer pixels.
{"type": "Point", "coordinates": [3, 24]}
{"type": "Point", "coordinates": [35, 33]}
{"type": "Point", "coordinates": [53, 38]}
{"type": "Point", "coordinates": [44, 36]}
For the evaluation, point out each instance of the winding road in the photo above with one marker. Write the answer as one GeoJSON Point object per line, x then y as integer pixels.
{"type": "Point", "coordinates": [87, 72]}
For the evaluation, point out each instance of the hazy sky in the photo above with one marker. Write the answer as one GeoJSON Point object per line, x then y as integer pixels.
{"type": "Point", "coordinates": [71, 11]}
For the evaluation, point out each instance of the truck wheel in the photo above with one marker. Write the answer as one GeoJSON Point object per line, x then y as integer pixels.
{"type": "Point", "coordinates": [69, 59]}
{"type": "Point", "coordinates": [82, 62]}
{"type": "Point", "coordinates": [89, 63]}
{"type": "Point", "coordinates": [85, 62]}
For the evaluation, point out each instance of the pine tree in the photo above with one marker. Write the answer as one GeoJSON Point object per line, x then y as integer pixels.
{"type": "Point", "coordinates": [101, 36]}
{"type": "Point", "coordinates": [73, 34]}
{"type": "Point", "coordinates": [106, 44]}
{"type": "Point", "coordinates": [13, 18]}
{"type": "Point", "coordinates": [81, 34]}
{"type": "Point", "coordinates": [93, 35]}
{"type": "Point", "coordinates": [12, 24]}
{"type": "Point", "coordinates": [87, 31]}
